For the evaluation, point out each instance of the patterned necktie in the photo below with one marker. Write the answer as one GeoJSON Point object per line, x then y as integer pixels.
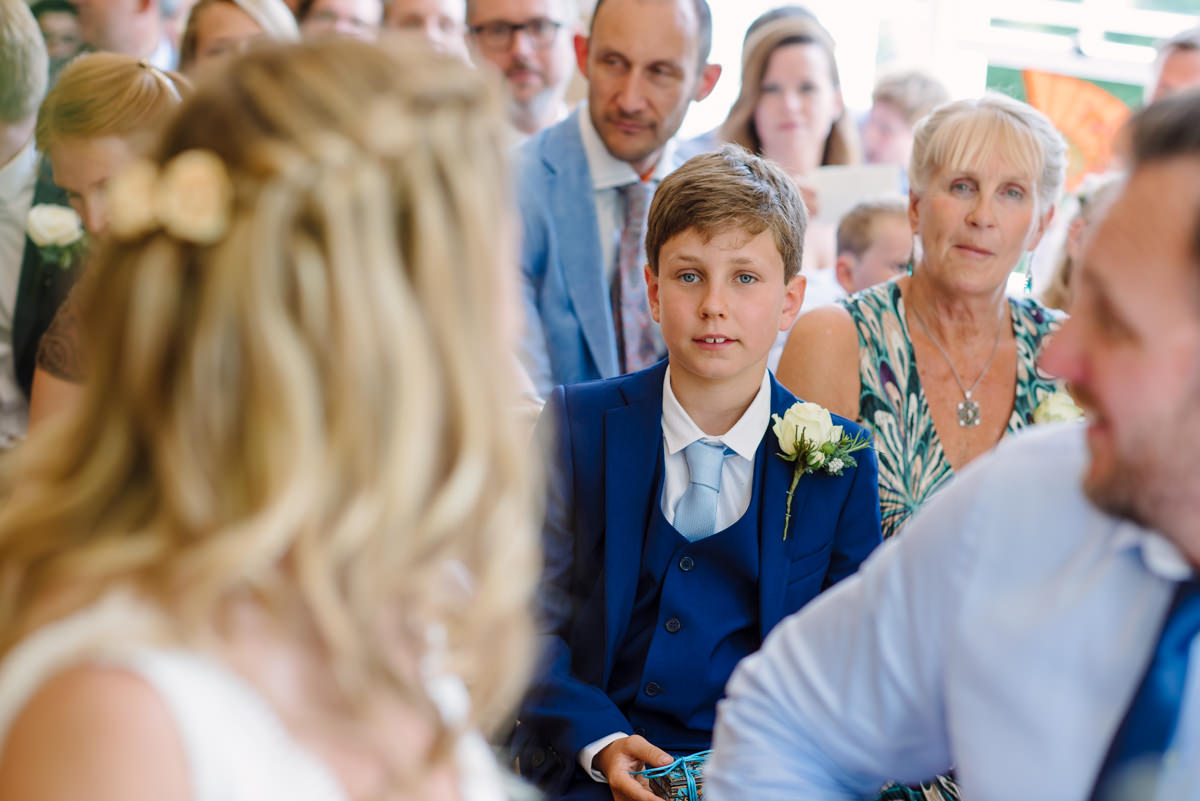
{"type": "Point", "coordinates": [696, 512]}
{"type": "Point", "coordinates": [638, 340]}
{"type": "Point", "coordinates": [1135, 757]}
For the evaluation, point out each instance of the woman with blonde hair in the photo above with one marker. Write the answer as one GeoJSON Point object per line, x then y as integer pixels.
{"type": "Point", "coordinates": [940, 364]}
{"type": "Point", "coordinates": [218, 28]}
{"type": "Point", "coordinates": [104, 109]}
{"type": "Point", "coordinates": [286, 526]}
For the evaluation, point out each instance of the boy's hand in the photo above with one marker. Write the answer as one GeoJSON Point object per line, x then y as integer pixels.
{"type": "Point", "coordinates": [617, 759]}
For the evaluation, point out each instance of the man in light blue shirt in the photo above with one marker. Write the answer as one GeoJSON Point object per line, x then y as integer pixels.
{"type": "Point", "coordinates": [1017, 629]}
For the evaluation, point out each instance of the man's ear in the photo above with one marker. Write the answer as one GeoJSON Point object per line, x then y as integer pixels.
{"type": "Point", "coordinates": [793, 299]}
{"type": "Point", "coordinates": [845, 272]}
{"type": "Point", "coordinates": [708, 79]}
{"type": "Point", "coordinates": [652, 294]}
{"type": "Point", "coordinates": [581, 53]}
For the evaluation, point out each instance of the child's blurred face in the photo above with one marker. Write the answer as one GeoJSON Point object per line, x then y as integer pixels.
{"type": "Point", "coordinates": [886, 258]}
{"type": "Point", "coordinates": [721, 302]}
{"type": "Point", "coordinates": [887, 137]}
{"type": "Point", "coordinates": [61, 32]}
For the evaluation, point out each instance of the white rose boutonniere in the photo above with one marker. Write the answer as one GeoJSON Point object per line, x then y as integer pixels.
{"type": "Point", "coordinates": [58, 233]}
{"type": "Point", "coordinates": [808, 437]}
{"type": "Point", "coordinates": [1057, 407]}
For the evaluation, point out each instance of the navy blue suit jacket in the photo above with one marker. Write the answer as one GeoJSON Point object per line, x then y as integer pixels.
{"type": "Point", "coordinates": [41, 289]}
{"type": "Point", "coordinates": [569, 334]}
{"type": "Point", "coordinates": [606, 439]}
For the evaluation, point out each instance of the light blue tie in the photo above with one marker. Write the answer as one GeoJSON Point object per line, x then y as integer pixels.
{"type": "Point", "coordinates": [696, 512]}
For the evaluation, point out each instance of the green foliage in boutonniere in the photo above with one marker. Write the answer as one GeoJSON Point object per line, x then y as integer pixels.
{"type": "Point", "coordinates": [58, 233]}
{"type": "Point", "coordinates": [808, 437]}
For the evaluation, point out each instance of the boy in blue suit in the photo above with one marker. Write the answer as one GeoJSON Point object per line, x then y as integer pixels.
{"type": "Point", "coordinates": [666, 555]}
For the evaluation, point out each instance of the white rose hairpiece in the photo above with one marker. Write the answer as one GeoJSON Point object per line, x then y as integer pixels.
{"type": "Point", "coordinates": [191, 198]}
{"type": "Point", "coordinates": [58, 234]}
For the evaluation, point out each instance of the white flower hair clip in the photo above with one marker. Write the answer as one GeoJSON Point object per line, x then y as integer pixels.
{"type": "Point", "coordinates": [191, 198]}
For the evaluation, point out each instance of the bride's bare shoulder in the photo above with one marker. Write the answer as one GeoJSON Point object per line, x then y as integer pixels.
{"type": "Point", "coordinates": [94, 732]}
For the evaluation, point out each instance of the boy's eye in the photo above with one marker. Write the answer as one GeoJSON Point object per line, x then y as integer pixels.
{"type": "Point", "coordinates": [746, 279]}
{"type": "Point", "coordinates": [688, 278]}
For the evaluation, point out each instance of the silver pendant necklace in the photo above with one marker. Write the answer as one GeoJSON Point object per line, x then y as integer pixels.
{"type": "Point", "coordinates": [968, 409]}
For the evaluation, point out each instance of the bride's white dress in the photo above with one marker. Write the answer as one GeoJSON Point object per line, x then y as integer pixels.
{"type": "Point", "coordinates": [236, 746]}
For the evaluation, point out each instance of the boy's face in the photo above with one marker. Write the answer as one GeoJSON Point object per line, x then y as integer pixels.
{"type": "Point", "coordinates": [887, 257]}
{"type": "Point", "coordinates": [721, 303]}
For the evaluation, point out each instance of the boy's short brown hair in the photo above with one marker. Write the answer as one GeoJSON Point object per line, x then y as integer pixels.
{"type": "Point", "coordinates": [730, 188]}
{"type": "Point", "coordinates": [855, 232]}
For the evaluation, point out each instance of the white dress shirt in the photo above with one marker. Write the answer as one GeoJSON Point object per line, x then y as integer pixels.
{"type": "Point", "coordinates": [1004, 633]}
{"type": "Point", "coordinates": [737, 481]}
{"type": "Point", "coordinates": [18, 182]}
{"type": "Point", "coordinates": [609, 174]}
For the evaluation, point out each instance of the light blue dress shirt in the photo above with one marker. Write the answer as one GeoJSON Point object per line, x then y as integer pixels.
{"type": "Point", "coordinates": [1003, 632]}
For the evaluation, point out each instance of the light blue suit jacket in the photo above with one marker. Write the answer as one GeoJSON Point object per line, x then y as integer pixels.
{"type": "Point", "coordinates": [569, 335]}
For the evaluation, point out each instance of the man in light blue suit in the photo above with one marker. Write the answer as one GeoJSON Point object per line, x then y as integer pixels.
{"type": "Point", "coordinates": [646, 61]}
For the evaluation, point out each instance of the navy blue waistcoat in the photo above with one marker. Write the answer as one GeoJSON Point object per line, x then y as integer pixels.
{"type": "Point", "coordinates": [694, 618]}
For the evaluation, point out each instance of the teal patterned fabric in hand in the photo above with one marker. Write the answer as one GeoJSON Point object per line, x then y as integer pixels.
{"type": "Point", "coordinates": [912, 464]}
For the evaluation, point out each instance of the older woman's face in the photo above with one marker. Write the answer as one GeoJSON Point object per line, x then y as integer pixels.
{"type": "Point", "coordinates": [975, 223]}
{"type": "Point", "coordinates": [798, 106]}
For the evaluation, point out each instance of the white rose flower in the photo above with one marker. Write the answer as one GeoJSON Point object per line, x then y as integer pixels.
{"type": "Point", "coordinates": [1057, 407]}
{"type": "Point", "coordinates": [816, 459]}
{"type": "Point", "coordinates": [52, 225]}
{"type": "Point", "coordinates": [195, 196]}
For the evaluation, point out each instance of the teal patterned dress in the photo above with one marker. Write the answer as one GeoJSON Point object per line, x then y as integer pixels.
{"type": "Point", "coordinates": [912, 464]}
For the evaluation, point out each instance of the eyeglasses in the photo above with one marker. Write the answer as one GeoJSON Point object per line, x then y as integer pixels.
{"type": "Point", "coordinates": [498, 35]}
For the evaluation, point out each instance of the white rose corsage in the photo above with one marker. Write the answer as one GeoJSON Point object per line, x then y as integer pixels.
{"type": "Point", "coordinates": [1057, 407]}
{"type": "Point", "coordinates": [808, 437]}
{"type": "Point", "coordinates": [58, 233]}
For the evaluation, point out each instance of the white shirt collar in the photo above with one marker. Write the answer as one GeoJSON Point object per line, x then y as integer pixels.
{"type": "Point", "coordinates": [1158, 553]}
{"type": "Point", "coordinates": [609, 172]}
{"type": "Point", "coordinates": [19, 173]}
{"type": "Point", "coordinates": [743, 438]}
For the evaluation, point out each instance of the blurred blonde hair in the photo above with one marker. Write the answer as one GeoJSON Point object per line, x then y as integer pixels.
{"type": "Point", "coordinates": [1093, 198]}
{"type": "Point", "coordinates": [842, 146]}
{"type": "Point", "coordinates": [107, 94]}
{"type": "Point", "coordinates": [963, 133]}
{"type": "Point", "coordinates": [23, 62]}
{"type": "Point", "coordinates": [273, 16]}
{"type": "Point", "coordinates": [912, 93]}
{"type": "Point", "coordinates": [312, 409]}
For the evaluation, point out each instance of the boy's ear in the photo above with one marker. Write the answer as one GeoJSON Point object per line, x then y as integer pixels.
{"type": "Point", "coordinates": [793, 299]}
{"type": "Point", "coordinates": [652, 294]}
{"type": "Point", "coordinates": [845, 272]}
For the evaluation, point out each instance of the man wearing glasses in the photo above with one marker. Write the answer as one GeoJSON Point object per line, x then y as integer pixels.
{"type": "Point", "coordinates": [530, 42]}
